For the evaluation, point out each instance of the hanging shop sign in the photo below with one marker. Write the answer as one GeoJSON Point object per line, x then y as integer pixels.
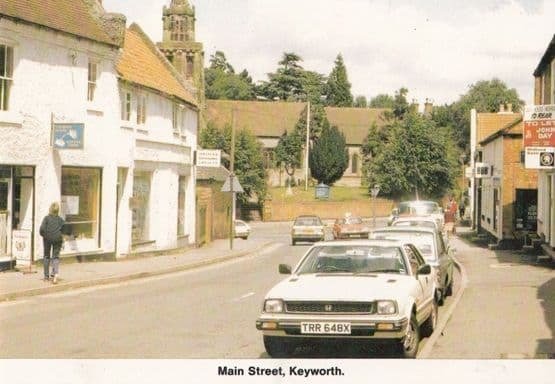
{"type": "Point", "coordinates": [68, 135]}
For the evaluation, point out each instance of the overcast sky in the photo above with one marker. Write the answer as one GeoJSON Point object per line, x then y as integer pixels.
{"type": "Point", "coordinates": [435, 48]}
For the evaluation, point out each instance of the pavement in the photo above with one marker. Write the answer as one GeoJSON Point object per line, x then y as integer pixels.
{"type": "Point", "coordinates": [18, 284]}
{"type": "Point", "coordinates": [504, 307]}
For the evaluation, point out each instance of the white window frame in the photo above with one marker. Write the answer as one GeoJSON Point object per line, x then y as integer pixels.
{"type": "Point", "coordinates": [6, 77]}
{"type": "Point", "coordinates": [92, 77]}
{"type": "Point", "coordinates": [141, 108]}
{"type": "Point", "coordinates": [126, 105]}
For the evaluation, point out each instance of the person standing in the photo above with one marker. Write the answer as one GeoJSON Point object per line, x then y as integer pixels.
{"type": "Point", "coordinates": [51, 232]}
{"type": "Point", "coordinates": [462, 209]}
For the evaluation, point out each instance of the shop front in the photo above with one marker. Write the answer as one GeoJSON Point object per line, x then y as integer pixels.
{"type": "Point", "coordinates": [16, 213]}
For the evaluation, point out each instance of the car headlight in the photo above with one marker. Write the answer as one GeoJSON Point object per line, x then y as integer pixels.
{"type": "Point", "coordinates": [273, 305]}
{"type": "Point", "coordinates": [387, 307]}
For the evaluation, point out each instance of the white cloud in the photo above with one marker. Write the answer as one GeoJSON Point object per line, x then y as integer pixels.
{"type": "Point", "coordinates": [435, 48]}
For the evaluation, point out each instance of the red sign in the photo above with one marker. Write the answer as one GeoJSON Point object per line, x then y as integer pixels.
{"type": "Point", "coordinates": [539, 126]}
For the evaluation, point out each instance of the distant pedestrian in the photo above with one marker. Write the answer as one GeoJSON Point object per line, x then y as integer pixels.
{"type": "Point", "coordinates": [51, 232]}
{"type": "Point", "coordinates": [462, 209]}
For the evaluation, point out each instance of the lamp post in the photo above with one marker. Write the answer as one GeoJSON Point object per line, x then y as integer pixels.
{"type": "Point", "coordinates": [374, 193]}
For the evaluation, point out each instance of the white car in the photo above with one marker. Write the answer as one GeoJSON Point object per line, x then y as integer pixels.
{"type": "Point", "coordinates": [366, 290]}
{"type": "Point", "coordinates": [418, 208]}
{"type": "Point", "coordinates": [242, 229]}
{"type": "Point", "coordinates": [432, 246]}
{"type": "Point", "coordinates": [307, 228]}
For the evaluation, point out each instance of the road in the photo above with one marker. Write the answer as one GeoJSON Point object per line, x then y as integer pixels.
{"type": "Point", "coordinates": [203, 313]}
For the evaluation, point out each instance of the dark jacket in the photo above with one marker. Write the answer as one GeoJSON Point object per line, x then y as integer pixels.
{"type": "Point", "coordinates": [51, 228]}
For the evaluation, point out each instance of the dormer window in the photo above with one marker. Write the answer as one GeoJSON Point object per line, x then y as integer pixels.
{"type": "Point", "coordinates": [6, 73]}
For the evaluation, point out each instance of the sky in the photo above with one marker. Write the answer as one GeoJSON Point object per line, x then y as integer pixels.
{"type": "Point", "coordinates": [435, 48]}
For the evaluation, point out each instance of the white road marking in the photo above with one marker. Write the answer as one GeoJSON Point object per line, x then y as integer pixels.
{"type": "Point", "coordinates": [244, 296]}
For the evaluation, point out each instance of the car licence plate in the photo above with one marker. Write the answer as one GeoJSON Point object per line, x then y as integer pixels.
{"type": "Point", "coordinates": [326, 328]}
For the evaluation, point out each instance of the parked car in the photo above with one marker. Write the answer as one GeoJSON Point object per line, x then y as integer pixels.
{"type": "Point", "coordinates": [365, 290]}
{"type": "Point", "coordinates": [350, 226]}
{"type": "Point", "coordinates": [307, 228]}
{"type": "Point", "coordinates": [431, 244]}
{"type": "Point", "coordinates": [418, 208]}
{"type": "Point", "coordinates": [421, 221]}
{"type": "Point", "coordinates": [242, 229]}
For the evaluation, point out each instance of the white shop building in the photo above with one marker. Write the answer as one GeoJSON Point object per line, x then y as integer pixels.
{"type": "Point", "coordinates": [64, 136]}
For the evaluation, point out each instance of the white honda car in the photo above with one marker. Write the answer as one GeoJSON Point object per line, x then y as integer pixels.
{"type": "Point", "coordinates": [367, 290]}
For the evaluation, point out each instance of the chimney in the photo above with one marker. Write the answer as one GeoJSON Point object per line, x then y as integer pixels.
{"type": "Point", "coordinates": [501, 108]}
{"type": "Point", "coordinates": [510, 107]}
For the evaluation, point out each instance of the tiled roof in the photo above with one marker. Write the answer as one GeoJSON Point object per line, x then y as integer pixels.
{"type": "Point", "coordinates": [76, 17]}
{"type": "Point", "coordinates": [272, 119]}
{"type": "Point", "coordinates": [142, 63]}
{"type": "Point", "coordinates": [489, 123]}
{"type": "Point", "coordinates": [548, 55]}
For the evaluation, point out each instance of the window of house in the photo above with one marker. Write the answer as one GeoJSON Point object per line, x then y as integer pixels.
{"type": "Point", "coordinates": [140, 207]}
{"type": "Point", "coordinates": [81, 201]}
{"type": "Point", "coordinates": [126, 105]}
{"type": "Point", "coordinates": [176, 112]}
{"type": "Point", "coordinates": [141, 109]}
{"type": "Point", "coordinates": [354, 163]}
{"type": "Point", "coordinates": [6, 73]}
{"type": "Point", "coordinates": [92, 76]}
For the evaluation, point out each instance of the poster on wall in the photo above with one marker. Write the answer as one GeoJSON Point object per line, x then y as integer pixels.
{"type": "Point", "coordinates": [70, 205]}
{"type": "Point", "coordinates": [21, 247]}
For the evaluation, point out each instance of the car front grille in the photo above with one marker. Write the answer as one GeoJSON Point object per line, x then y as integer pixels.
{"type": "Point", "coordinates": [329, 307]}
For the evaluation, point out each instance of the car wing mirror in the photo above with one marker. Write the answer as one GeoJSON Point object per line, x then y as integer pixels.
{"type": "Point", "coordinates": [424, 270]}
{"type": "Point", "coordinates": [284, 269]}
{"type": "Point", "coordinates": [395, 211]}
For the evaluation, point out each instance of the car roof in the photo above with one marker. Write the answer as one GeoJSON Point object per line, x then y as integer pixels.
{"type": "Point", "coordinates": [415, 218]}
{"type": "Point", "coordinates": [417, 202]}
{"type": "Point", "coordinates": [415, 228]}
{"type": "Point", "coordinates": [307, 216]}
{"type": "Point", "coordinates": [368, 242]}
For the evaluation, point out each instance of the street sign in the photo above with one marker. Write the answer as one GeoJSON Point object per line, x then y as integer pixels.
{"type": "Point", "coordinates": [236, 185]}
{"type": "Point", "coordinates": [68, 135]}
{"type": "Point", "coordinates": [208, 158]}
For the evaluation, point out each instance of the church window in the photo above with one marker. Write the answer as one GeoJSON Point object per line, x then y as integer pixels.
{"type": "Point", "coordinates": [190, 67]}
{"type": "Point", "coordinates": [177, 28]}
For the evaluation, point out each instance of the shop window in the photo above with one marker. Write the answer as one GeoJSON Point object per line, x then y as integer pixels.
{"type": "Point", "coordinates": [6, 73]}
{"type": "Point", "coordinates": [81, 201]}
{"type": "Point", "coordinates": [126, 105]}
{"type": "Point", "coordinates": [526, 210]}
{"type": "Point", "coordinates": [92, 75]}
{"type": "Point", "coordinates": [181, 206]}
{"type": "Point", "coordinates": [140, 207]}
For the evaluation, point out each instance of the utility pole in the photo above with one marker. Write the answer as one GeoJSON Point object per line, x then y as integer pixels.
{"type": "Point", "coordinates": [231, 177]}
{"type": "Point", "coordinates": [307, 143]}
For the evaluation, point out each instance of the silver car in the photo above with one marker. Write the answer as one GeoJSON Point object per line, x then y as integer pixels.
{"type": "Point", "coordinates": [431, 244]}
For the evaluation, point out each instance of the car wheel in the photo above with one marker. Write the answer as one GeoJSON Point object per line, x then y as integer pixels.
{"type": "Point", "coordinates": [277, 347]}
{"type": "Point", "coordinates": [431, 322]}
{"type": "Point", "coordinates": [440, 296]}
{"type": "Point", "coordinates": [293, 242]}
{"type": "Point", "coordinates": [245, 237]}
{"type": "Point", "coordinates": [409, 346]}
{"type": "Point", "coordinates": [449, 289]}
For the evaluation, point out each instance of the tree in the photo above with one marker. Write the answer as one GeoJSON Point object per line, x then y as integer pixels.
{"type": "Point", "coordinates": [484, 96]}
{"type": "Point", "coordinates": [288, 152]}
{"type": "Point", "coordinates": [413, 161]}
{"type": "Point", "coordinates": [318, 120]}
{"type": "Point", "coordinates": [222, 83]}
{"type": "Point", "coordinates": [338, 88]}
{"type": "Point", "coordinates": [360, 102]}
{"type": "Point", "coordinates": [329, 158]}
{"type": "Point", "coordinates": [248, 166]}
{"type": "Point", "coordinates": [382, 101]}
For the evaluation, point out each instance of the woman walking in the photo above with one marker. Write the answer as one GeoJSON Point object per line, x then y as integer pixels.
{"type": "Point", "coordinates": [51, 232]}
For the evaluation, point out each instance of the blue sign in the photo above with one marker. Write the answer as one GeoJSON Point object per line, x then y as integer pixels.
{"type": "Point", "coordinates": [322, 191]}
{"type": "Point", "coordinates": [68, 135]}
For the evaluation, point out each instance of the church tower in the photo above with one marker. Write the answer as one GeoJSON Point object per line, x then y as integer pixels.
{"type": "Point", "coordinates": [179, 45]}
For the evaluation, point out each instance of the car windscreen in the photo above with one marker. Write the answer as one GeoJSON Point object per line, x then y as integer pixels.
{"type": "Point", "coordinates": [356, 259]}
{"type": "Point", "coordinates": [418, 208]}
{"type": "Point", "coordinates": [307, 221]}
{"type": "Point", "coordinates": [424, 241]}
{"type": "Point", "coordinates": [413, 223]}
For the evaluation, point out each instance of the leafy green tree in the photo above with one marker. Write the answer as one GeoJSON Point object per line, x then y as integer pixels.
{"type": "Point", "coordinates": [360, 102]}
{"type": "Point", "coordinates": [338, 88]}
{"type": "Point", "coordinates": [288, 152]}
{"type": "Point", "coordinates": [484, 96]}
{"type": "Point", "coordinates": [222, 83]}
{"type": "Point", "coordinates": [318, 120]}
{"type": "Point", "coordinates": [248, 166]}
{"type": "Point", "coordinates": [329, 158]}
{"type": "Point", "coordinates": [382, 101]}
{"type": "Point", "coordinates": [413, 161]}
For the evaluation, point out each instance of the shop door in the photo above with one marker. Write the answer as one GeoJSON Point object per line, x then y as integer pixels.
{"type": "Point", "coordinates": [5, 216]}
